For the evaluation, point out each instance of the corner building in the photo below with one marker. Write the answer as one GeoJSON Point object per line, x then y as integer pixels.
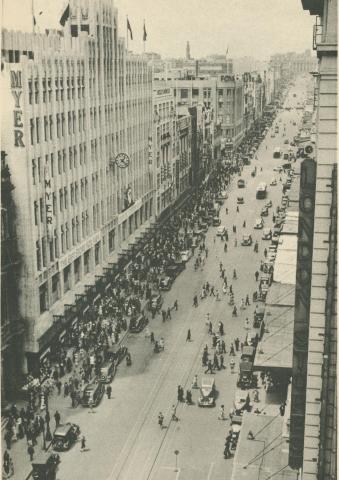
{"type": "Point", "coordinates": [73, 100]}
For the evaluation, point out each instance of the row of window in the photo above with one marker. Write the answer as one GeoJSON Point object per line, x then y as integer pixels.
{"type": "Point", "coordinates": [74, 123]}
{"type": "Point", "coordinates": [57, 90]}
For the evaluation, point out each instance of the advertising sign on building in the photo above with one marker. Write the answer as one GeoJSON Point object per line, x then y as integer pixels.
{"type": "Point", "coordinates": [48, 202]}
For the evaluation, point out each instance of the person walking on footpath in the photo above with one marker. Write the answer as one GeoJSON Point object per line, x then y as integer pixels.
{"type": "Point", "coordinates": [57, 418]}
{"type": "Point", "coordinates": [256, 275]}
{"type": "Point", "coordinates": [222, 365]}
{"type": "Point", "coordinates": [209, 367]}
{"type": "Point", "coordinates": [109, 391]}
{"type": "Point", "coordinates": [175, 305]}
{"type": "Point", "coordinates": [221, 413]}
{"type": "Point", "coordinates": [168, 314]}
{"type": "Point", "coordinates": [188, 337]}
{"type": "Point", "coordinates": [30, 451]}
{"type": "Point", "coordinates": [83, 444]}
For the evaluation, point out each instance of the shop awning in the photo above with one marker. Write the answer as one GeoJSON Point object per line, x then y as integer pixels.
{"type": "Point", "coordinates": [266, 456]}
{"type": "Point", "coordinates": [281, 294]}
{"type": "Point", "coordinates": [276, 347]}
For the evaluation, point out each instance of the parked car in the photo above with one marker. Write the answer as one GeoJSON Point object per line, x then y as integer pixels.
{"type": "Point", "coordinates": [221, 231]}
{"type": "Point", "coordinates": [240, 200]}
{"type": "Point", "coordinates": [165, 283]}
{"type": "Point", "coordinates": [108, 370]}
{"type": "Point", "coordinates": [92, 394]}
{"type": "Point", "coordinates": [258, 223]}
{"type": "Point", "coordinates": [65, 436]}
{"type": "Point", "coordinates": [241, 183]}
{"type": "Point", "coordinates": [277, 169]}
{"type": "Point", "coordinates": [266, 234]}
{"type": "Point", "coordinates": [138, 323]}
{"type": "Point", "coordinates": [246, 240]}
{"type": "Point", "coordinates": [156, 302]}
{"type": "Point", "coordinates": [216, 222]}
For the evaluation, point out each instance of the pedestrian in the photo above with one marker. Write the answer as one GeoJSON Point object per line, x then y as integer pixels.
{"type": "Point", "coordinates": [175, 305]}
{"type": "Point", "coordinates": [168, 314]}
{"type": "Point", "coordinates": [223, 346]}
{"type": "Point", "coordinates": [109, 391]}
{"type": "Point", "coordinates": [160, 420]}
{"type": "Point", "coordinates": [163, 313]}
{"type": "Point", "coordinates": [225, 248]}
{"type": "Point", "coordinates": [30, 451]}
{"type": "Point", "coordinates": [221, 365]}
{"type": "Point", "coordinates": [244, 224]}
{"type": "Point", "coordinates": [226, 211]}
{"type": "Point", "coordinates": [58, 385]}
{"type": "Point", "coordinates": [282, 409]}
{"type": "Point", "coordinates": [174, 413]}
{"type": "Point", "coordinates": [237, 208]}
{"type": "Point", "coordinates": [57, 418]}
{"type": "Point", "coordinates": [236, 343]}
{"type": "Point", "coordinates": [195, 381]}
{"type": "Point", "coordinates": [188, 337]}
{"type": "Point", "coordinates": [247, 324]}
{"type": "Point", "coordinates": [256, 275]}
{"type": "Point", "coordinates": [235, 242]}
{"type": "Point", "coordinates": [83, 444]}
{"type": "Point", "coordinates": [221, 413]}
{"type": "Point", "coordinates": [212, 291]}
{"type": "Point", "coordinates": [152, 337]}
{"type": "Point", "coordinates": [216, 362]}
{"type": "Point", "coordinates": [8, 439]}
{"type": "Point", "coordinates": [232, 352]}
{"type": "Point", "coordinates": [66, 389]}
{"type": "Point", "coordinates": [232, 365]}
{"type": "Point", "coordinates": [265, 252]}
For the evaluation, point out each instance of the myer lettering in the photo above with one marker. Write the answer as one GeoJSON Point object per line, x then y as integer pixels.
{"type": "Point", "coordinates": [48, 203]}
{"type": "Point", "coordinates": [16, 86]}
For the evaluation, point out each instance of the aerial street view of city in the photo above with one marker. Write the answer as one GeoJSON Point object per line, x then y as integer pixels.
{"type": "Point", "coordinates": [169, 240]}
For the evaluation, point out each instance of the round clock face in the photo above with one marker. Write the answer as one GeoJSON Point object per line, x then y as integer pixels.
{"type": "Point", "coordinates": [122, 160]}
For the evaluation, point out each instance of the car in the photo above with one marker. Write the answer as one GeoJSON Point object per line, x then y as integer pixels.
{"type": "Point", "coordinates": [221, 231]}
{"type": "Point", "coordinates": [264, 212]}
{"type": "Point", "coordinates": [165, 283]}
{"type": "Point", "coordinates": [266, 234]}
{"type": "Point", "coordinates": [240, 200]}
{"type": "Point", "coordinates": [207, 392]}
{"type": "Point", "coordinates": [138, 323]}
{"type": "Point", "coordinates": [277, 169]}
{"type": "Point", "coordinates": [108, 370]}
{"type": "Point", "coordinates": [259, 224]}
{"type": "Point", "coordinates": [273, 182]}
{"type": "Point", "coordinates": [285, 156]}
{"type": "Point", "coordinates": [65, 436]}
{"type": "Point", "coordinates": [92, 394]}
{"type": "Point", "coordinates": [246, 240]}
{"type": "Point", "coordinates": [156, 302]}
{"type": "Point", "coordinates": [269, 204]}
{"type": "Point", "coordinates": [241, 183]}
{"type": "Point", "coordinates": [216, 222]}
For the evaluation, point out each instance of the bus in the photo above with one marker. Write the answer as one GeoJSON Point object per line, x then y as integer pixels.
{"type": "Point", "coordinates": [261, 190]}
{"type": "Point", "coordinates": [277, 152]}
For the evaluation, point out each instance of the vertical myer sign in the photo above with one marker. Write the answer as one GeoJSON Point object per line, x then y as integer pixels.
{"type": "Point", "coordinates": [302, 311]}
{"type": "Point", "coordinates": [48, 202]}
{"type": "Point", "coordinates": [16, 87]}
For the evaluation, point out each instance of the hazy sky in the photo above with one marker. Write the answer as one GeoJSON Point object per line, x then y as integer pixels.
{"type": "Point", "coordinates": [256, 28]}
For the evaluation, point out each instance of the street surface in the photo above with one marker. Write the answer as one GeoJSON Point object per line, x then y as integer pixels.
{"type": "Point", "coordinates": [123, 437]}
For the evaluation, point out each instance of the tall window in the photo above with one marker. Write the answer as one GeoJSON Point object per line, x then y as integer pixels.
{"type": "Point", "coordinates": [67, 278]}
{"type": "Point", "coordinates": [43, 297]}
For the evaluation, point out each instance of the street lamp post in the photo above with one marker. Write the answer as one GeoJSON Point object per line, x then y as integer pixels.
{"type": "Point", "coordinates": [176, 453]}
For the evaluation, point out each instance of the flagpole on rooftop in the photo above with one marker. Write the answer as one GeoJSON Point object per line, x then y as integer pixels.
{"type": "Point", "coordinates": [144, 42]}
{"type": "Point", "coordinates": [33, 17]}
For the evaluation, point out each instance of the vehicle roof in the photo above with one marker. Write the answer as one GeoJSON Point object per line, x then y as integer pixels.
{"type": "Point", "coordinates": [207, 381]}
{"type": "Point", "coordinates": [63, 429]}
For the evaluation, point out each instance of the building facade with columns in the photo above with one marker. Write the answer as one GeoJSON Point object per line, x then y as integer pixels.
{"type": "Point", "coordinates": [74, 100]}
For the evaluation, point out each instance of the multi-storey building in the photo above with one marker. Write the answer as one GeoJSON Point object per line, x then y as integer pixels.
{"type": "Point", "coordinates": [171, 149]}
{"type": "Point", "coordinates": [314, 446]}
{"type": "Point", "coordinates": [11, 323]}
{"type": "Point", "coordinates": [230, 91]}
{"type": "Point", "coordinates": [74, 100]}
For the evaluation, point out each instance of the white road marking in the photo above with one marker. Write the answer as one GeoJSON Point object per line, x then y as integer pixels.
{"type": "Point", "coordinates": [210, 471]}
